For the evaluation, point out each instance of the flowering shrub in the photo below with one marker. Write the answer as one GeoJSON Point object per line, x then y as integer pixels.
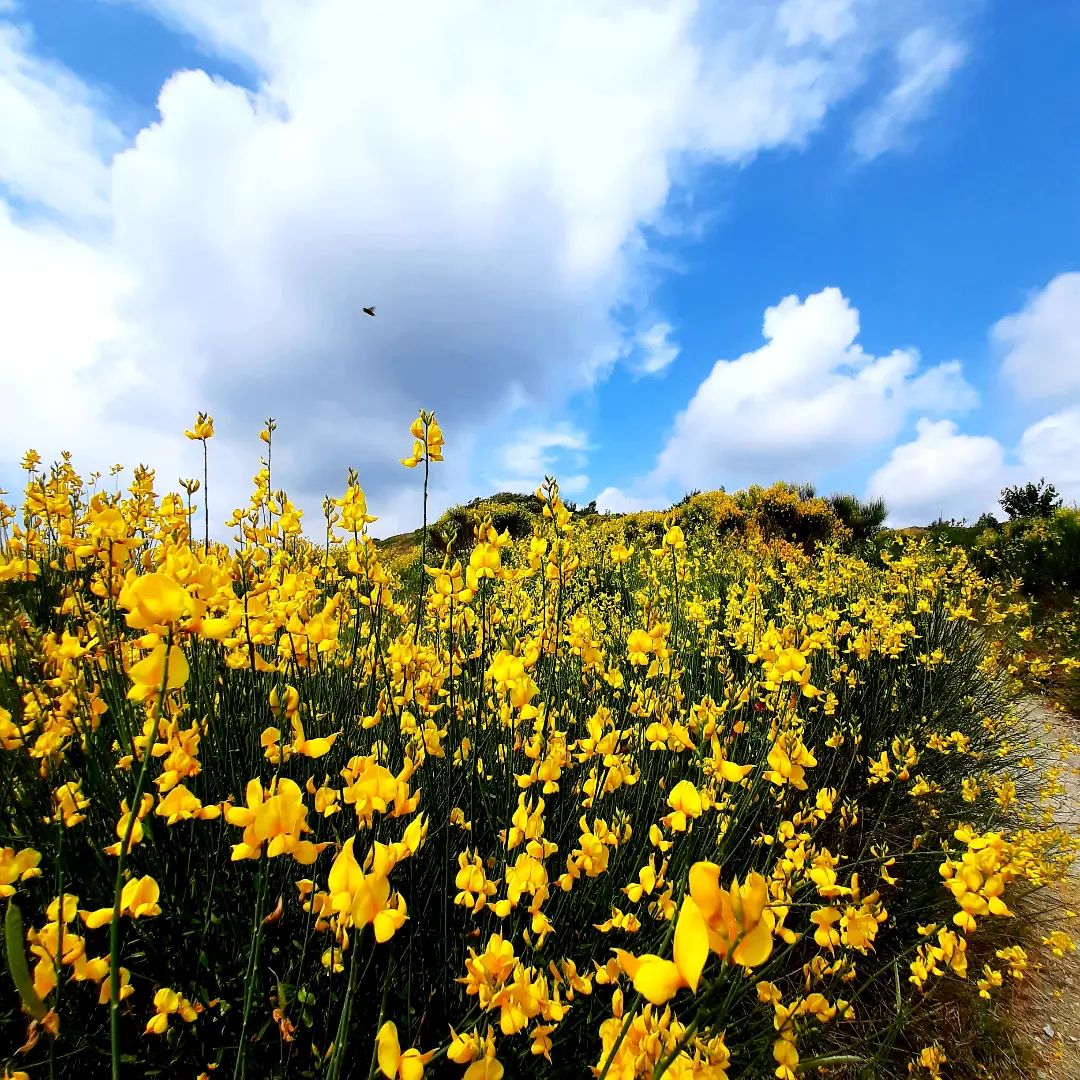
{"type": "Point", "coordinates": [1042, 552]}
{"type": "Point", "coordinates": [577, 803]}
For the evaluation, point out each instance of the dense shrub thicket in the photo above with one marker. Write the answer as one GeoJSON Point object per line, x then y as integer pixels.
{"type": "Point", "coordinates": [685, 795]}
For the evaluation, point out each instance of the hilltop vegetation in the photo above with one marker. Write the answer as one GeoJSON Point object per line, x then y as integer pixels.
{"type": "Point", "coordinates": [783, 512]}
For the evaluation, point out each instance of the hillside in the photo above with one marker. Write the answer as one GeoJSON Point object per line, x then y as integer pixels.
{"type": "Point", "coordinates": [782, 511]}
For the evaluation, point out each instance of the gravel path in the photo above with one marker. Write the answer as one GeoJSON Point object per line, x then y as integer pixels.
{"type": "Point", "coordinates": [1046, 1006]}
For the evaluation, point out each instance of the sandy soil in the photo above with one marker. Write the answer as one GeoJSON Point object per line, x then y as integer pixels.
{"type": "Point", "coordinates": [1046, 1006]}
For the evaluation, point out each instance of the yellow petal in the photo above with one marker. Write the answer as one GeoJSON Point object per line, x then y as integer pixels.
{"type": "Point", "coordinates": [733, 773]}
{"type": "Point", "coordinates": [315, 748]}
{"type": "Point", "coordinates": [756, 947]}
{"type": "Point", "coordinates": [755, 898]}
{"type": "Point", "coordinates": [691, 943]}
{"type": "Point", "coordinates": [411, 1066]}
{"type": "Point", "coordinates": [94, 919]}
{"type": "Point", "coordinates": [484, 1069]}
{"type": "Point", "coordinates": [345, 873]}
{"type": "Point", "coordinates": [389, 1049]}
{"type": "Point", "coordinates": [385, 925]}
{"type": "Point", "coordinates": [705, 888]}
{"type": "Point", "coordinates": [657, 980]}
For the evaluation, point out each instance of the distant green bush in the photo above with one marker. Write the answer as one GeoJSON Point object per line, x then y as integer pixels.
{"type": "Point", "coordinates": [1042, 552]}
{"type": "Point", "coordinates": [1030, 500]}
{"type": "Point", "coordinates": [864, 518]}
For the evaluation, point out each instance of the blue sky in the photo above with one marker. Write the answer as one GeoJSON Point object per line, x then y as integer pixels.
{"type": "Point", "coordinates": [576, 222]}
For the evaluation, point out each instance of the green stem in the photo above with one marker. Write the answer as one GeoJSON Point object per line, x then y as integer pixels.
{"type": "Point", "coordinates": [121, 863]}
{"type": "Point", "coordinates": [60, 936]}
{"type": "Point", "coordinates": [206, 497]}
{"type": "Point", "coordinates": [342, 1036]}
{"type": "Point", "coordinates": [240, 1069]}
{"type": "Point", "coordinates": [372, 1065]}
{"type": "Point", "coordinates": [423, 548]}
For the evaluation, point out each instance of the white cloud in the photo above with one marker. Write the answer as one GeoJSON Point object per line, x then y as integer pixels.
{"type": "Point", "coordinates": [63, 370]}
{"type": "Point", "coordinates": [945, 472]}
{"type": "Point", "coordinates": [482, 173]}
{"type": "Point", "coordinates": [613, 500]}
{"type": "Point", "coordinates": [1050, 448]}
{"type": "Point", "coordinates": [925, 60]}
{"type": "Point", "coordinates": [656, 350]}
{"type": "Point", "coordinates": [961, 475]}
{"type": "Point", "coordinates": [53, 138]}
{"type": "Point", "coordinates": [1041, 342]}
{"type": "Point", "coordinates": [529, 453]}
{"type": "Point", "coordinates": [828, 20]}
{"type": "Point", "coordinates": [804, 402]}
{"type": "Point", "coordinates": [536, 453]}
{"type": "Point", "coordinates": [575, 484]}
{"type": "Point", "coordinates": [941, 473]}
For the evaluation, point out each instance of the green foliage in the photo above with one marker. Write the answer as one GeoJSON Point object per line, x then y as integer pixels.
{"type": "Point", "coordinates": [1030, 500]}
{"type": "Point", "coordinates": [1041, 552]}
{"type": "Point", "coordinates": [16, 962]}
{"type": "Point", "coordinates": [864, 518]}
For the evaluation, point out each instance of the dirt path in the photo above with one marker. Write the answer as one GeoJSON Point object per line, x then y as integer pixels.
{"type": "Point", "coordinates": [1046, 1007]}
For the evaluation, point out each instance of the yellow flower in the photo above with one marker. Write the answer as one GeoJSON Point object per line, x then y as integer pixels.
{"type": "Point", "coordinates": [312, 748]}
{"type": "Point", "coordinates": [69, 802]}
{"type": "Point", "coordinates": [203, 428]}
{"type": "Point", "coordinates": [638, 647]}
{"type": "Point", "coordinates": [686, 804]}
{"type": "Point", "coordinates": [144, 808]}
{"type": "Point", "coordinates": [427, 440]}
{"type": "Point", "coordinates": [1059, 943]}
{"type": "Point", "coordinates": [394, 1064]}
{"type": "Point", "coordinates": [825, 919]}
{"type": "Point", "coordinates": [289, 699]}
{"type": "Point", "coordinates": [485, 561]}
{"type": "Point", "coordinates": [674, 539]}
{"type": "Point", "coordinates": [788, 759]}
{"type": "Point", "coordinates": [154, 600]}
{"type": "Point", "coordinates": [278, 816]}
{"type": "Point", "coordinates": [181, 805]}
{"type": "Point", "coordinates": [654, 978]}
{"type": "Point", "coordinates": [930, 1058]}
{"type": "Point", "coordinates": [148, 673]}
{"type": "Point", "coordinates": [168, 1003]}
{"type": "Point", "coordinates": [139, 899]}
{"type": "Point", "coordinates": [361, 899]}
{"type": "Point", "coordinates": [17, 866]}
{"type": "Point", "coordinates": [738, 920]}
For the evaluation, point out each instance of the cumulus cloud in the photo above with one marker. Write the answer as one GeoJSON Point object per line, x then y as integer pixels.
{"type": "Point", "coordinates": [54, 135]}
{"type": "Point", "coordinates": [945, 472]}
{"type": "Point", "coordinates": [804, 402]}
{"type": "Point", "coordinates": [1050, 448]}
{"type": "Point", "coordinates": [482, 173]}
{"type": "Point", "coordinates": [614, 500]}
{"type": "Point", "coordinates": [62, 372]}
{"type": "Point", "coordinates": [940, 473]}
{"type": "Point", "coordinates": [926, 60]}
{"type": "Point", "coordinates": [1041, 341]}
